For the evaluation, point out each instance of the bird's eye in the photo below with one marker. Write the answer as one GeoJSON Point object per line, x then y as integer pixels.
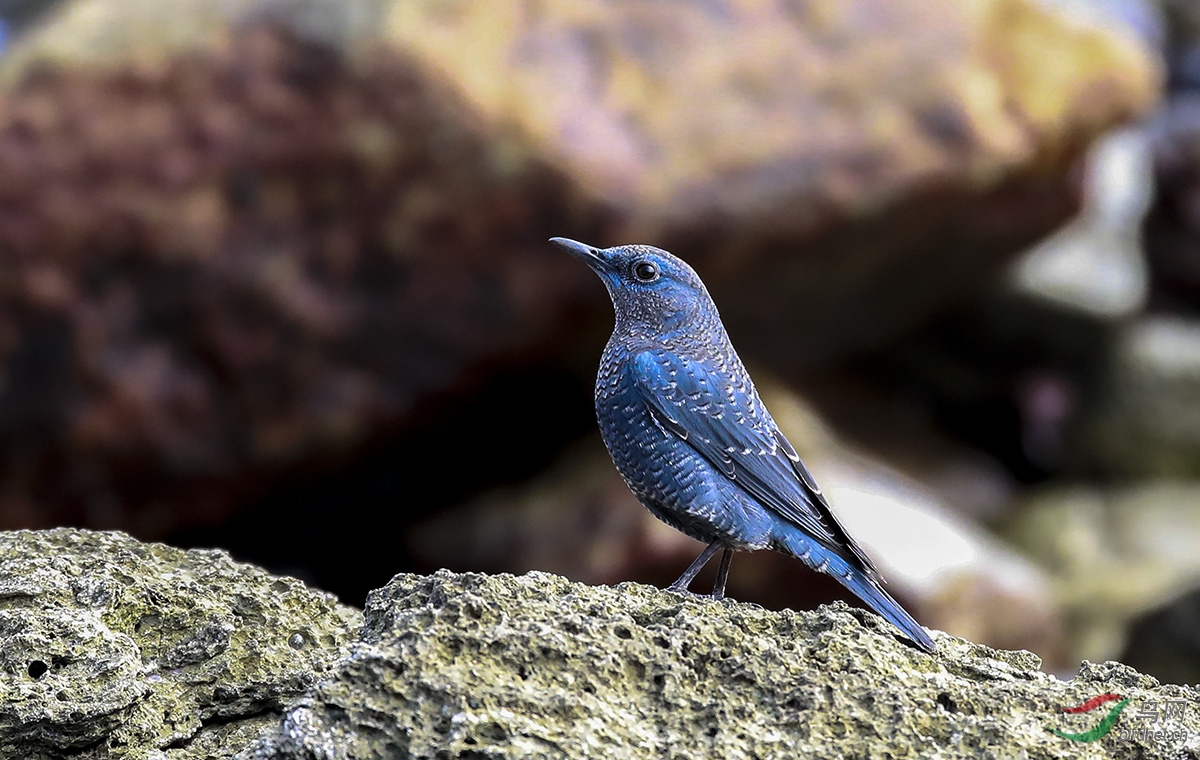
{"type": "Point", "coordinates": [645, 271]}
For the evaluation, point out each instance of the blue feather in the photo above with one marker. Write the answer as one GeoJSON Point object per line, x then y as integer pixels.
{"type": "Point", "coordinates": [693, 440]}
{"type": "Point", "coordinates": [860, 584]}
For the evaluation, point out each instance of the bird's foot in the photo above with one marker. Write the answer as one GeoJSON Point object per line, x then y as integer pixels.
{"type": "Point", "coordinates": [715, 596]}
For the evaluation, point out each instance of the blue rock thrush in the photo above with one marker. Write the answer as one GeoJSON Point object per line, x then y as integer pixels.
{"type": "Point", "coordinates": [690, 436]}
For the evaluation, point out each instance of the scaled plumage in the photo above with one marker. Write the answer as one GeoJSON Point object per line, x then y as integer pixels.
{"type": "Point", "coordinates": [690, 436]}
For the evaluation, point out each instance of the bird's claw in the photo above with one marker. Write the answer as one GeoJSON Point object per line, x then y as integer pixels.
{"type": "Point", "coordinates": [684, 590]}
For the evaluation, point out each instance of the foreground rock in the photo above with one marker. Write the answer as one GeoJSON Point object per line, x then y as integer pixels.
{"type": "Point", "coordinates": [241, 236]}
{"type": "Point", "coordinates": [468, 666]}
{"type": "Point", "coordinates": [580, 520]}
{"type": "Point", "coordinates": [114, 648]}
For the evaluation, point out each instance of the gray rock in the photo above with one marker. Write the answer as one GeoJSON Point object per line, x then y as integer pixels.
{"type": "Point", "coordinates": [1113, 555]}
{"type": "Point", "coordinates": [114, 648]}
{"type": "Point", "coordinates": [581, 521]}
{"type": "Point", "coordinates": [1148, 421]}
{"type": "Point", "coordinates": [475, 666]}
{"type": "Point", "coordinates": [1166, 641]}
{"type": "Point", "coordinates": [1095, 264]}
{"type": "Point", "coordinates": [1172, 227]}
{"type": "Point", "coordinates": [110, 648]}
{"type": "Point", "coordinates": [1183, 50]}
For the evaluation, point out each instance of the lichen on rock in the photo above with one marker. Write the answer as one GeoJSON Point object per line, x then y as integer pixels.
{"type": "Point", "coordinates": [114, 648]}
{"type": "Point", "coordinates": [111, 648]}
{"type": "Point", "coordinates": [460, 666]}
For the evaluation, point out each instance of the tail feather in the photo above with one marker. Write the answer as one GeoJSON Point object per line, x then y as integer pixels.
{"type": "Point", "coordinates": [863, 586]}
{"type": "Point", "coordinates": [882, 602]}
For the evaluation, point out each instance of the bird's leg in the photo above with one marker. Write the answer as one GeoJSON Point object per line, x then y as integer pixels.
{"type": "Point", "coordinates": [722, 574]}
{"type": "Point", "coordinates": [685, 580]}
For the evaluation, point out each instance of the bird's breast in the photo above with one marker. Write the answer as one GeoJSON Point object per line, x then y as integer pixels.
{"type": "Point", "coordinates": [649, 458]}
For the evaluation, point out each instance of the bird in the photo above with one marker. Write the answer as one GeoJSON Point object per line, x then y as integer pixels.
{"type": "Point", "coordinates": [690, 436]}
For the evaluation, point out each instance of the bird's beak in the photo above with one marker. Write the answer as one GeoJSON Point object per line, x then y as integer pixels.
{"type": "Point", "coordinates": [593, 257]}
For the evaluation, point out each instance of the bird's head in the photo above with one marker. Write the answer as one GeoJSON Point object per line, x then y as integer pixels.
{"type": "Point", "coordinates": [649, 287]}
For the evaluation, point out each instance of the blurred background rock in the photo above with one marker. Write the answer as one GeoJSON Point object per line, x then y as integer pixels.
{"type": "Point", "coordinates": [273, 277]}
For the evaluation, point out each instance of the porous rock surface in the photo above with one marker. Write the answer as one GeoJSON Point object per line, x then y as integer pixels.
{"type": "Point", "coordinates": [110, 647]}
{"type": "Point", "coordinates": [474, 666]}
{"type": "Point", "coordinates": [580, 520]}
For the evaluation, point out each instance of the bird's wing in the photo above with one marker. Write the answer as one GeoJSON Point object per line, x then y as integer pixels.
{"type": "Point", "coordinates": [730, 428]}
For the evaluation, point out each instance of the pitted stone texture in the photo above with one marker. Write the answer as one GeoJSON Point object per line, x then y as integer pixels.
{"type": "Point", "coordinates": [471, 666]}
{"type": "Point", "coordinates": [114, 648]}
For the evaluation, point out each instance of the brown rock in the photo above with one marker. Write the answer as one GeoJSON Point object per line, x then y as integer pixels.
{"type": "Point", "coordinates": [227, 261]}
{"type": "Point", "coordinates": [877, 159]}
{"type": "Point", "coordinates": [239, 236]}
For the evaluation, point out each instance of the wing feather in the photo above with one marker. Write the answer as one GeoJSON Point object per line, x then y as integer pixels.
{"type": "Point", "coordinates": [734, 432]}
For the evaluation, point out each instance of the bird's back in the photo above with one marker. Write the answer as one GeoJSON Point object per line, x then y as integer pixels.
{"type": "Point", "coordinates": [723, 433]}
{"type": "Point", "coordinates": [691, 437]}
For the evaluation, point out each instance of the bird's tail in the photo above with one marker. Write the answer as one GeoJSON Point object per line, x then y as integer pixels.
{"type": "Point", "coordinates": [863, 586]}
